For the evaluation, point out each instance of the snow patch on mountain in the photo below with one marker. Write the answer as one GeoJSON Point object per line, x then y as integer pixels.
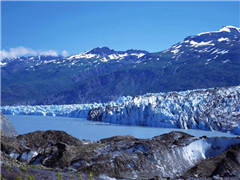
{"type": "Point", "coordinates": [105, 54]}
{"type": "Point", "coordinates": [196, 44]}
{"type": "Point", "coordinates": [206, 44]}
{"type": "Point", "coordinates": [223, 39]}
{"type": "Point", "coordinates": [83, 55]}
{"type": "Point", "coordinates": [227, 29]}
{"type": "Point", "coordinates": [223, 29]}
{"type": "Point", "coordinates": [223, 52]}
{"type": "Point", "coordinates": [220, 51]}
{"type": "Point", "coordinates": [225, 61]}
{"type": "Point", "coordinates": [2, 64]}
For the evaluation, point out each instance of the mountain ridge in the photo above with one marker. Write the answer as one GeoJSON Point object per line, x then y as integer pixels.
{"type": "Point", "coordinates": [209, 59]}
{"type": "Point", "coordinates": [227, 28]}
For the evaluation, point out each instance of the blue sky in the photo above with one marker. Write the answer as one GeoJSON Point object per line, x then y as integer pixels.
{"type": "Point", "coordinates": [80, 26]}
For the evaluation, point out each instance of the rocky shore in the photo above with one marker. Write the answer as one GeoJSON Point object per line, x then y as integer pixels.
{"type": "Point", "coordinates": [175, 155]}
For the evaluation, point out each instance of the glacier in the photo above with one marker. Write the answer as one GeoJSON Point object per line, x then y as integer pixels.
{"type": "Point", "coordinates": [206, 109]}
{"type": "Point", "coordinates": [74, 110]}
{"type": "Point", "coordinates": [71, 110]}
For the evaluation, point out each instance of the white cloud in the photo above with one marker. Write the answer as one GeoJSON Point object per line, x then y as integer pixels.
{"type": "Point", "coordinates": [65, 53]}
{"type": "Point", "coordinates": [22, 51]}
{"type": "Point", "coordinates": [18, 51]}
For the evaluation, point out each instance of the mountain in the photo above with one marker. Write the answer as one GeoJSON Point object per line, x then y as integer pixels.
{"type": "Point", "coordinates": [13, 65]}
{"type": "Point", "coordinates": [29, 80]}
{"type": "Point", "coordinates": [216, 46]}
{"type": "Point", "coordinates": [105, 54]}
{"type": "Point", "coordinates": [205, 60]}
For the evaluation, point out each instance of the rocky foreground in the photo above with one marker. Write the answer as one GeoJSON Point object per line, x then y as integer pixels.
{"type": "Point", "coordinates": [58, 155]}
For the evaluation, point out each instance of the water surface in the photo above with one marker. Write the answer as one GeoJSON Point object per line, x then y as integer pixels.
{"type": "Point", "coordinates": [90, 130]}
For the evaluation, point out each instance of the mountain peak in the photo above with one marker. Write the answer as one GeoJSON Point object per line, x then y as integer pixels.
{"type": "Point", "coordinates": [229, 29]}
{"type": "Point", "coordinates": [101, 50]}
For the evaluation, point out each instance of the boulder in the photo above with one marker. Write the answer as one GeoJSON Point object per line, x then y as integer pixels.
{"type": "Point", "coordinates": [7, 128]}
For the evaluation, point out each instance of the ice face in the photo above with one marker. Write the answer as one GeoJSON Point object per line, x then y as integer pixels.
{"type": "Point", "coordinates": [74, 110]}
{"type": "Point", "coordinates": [206, 109]}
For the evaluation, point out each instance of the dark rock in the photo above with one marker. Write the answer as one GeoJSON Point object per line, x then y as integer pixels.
{"type": "Point", "coordinates": [226, 164]}
{"type": "Point", "coordinates": [125, 157]}
{"type": "Point", "coordinates": [42, 139]}
{"type": "Point", "coordinates": [95, 114]}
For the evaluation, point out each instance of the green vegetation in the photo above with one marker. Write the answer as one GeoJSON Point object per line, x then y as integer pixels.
{"type": "Point", "coordinates": [33, 166]}
{"type": "Point", "coordinates": [2, 178]}
{"type": "Point", "coordinates": [23, 168]}
{"type": "Point", "coordinates": [9, 167]}
{"type": "Point", "coordinates": [59, 176]}
{"type": "Point", "coordinates": [18, 178]}
{"type": "Point", "coordinates": [70, 176]}
{"type": "Point", "coordinates": [72, 170]}
{"type": "Point", "coordinates": [91, 176]}
{"type": "Point", "coordinates": [29, 177]}
{"type": "Point", "coordinates": [79, 176]}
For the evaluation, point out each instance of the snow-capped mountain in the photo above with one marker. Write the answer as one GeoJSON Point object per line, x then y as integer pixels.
{"type": "Point", "coordinates": [214, 45]}
{"type": "Point", "coordinates": [13, 65]}
{"type": "Point", "coordinates": [105, 54]}
{"type": "Point", "coordinates": [94, 57]}
{"type": "Point", "coordinates": [209, 59]}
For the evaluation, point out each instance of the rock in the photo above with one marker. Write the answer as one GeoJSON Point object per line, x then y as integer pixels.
{"type": "Point", "coordinates": [170, 155]}
{"type": "Point", "coordinates": [226, 165]}
{"type": "Point", "coordinates": [95, 114]}
{"type": "Point", "coordinates": [7, 128]}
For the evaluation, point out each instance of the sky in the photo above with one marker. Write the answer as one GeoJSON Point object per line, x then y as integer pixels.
{"type": "Point", "coordinates": [53, 28]}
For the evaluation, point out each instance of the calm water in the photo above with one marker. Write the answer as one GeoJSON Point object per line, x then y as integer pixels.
{"type": "Point", "coordinates": [83, 129]}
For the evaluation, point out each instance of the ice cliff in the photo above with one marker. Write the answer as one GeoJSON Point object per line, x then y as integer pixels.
{"type": "Point", "coordinates": [74, 110]}
{"type": "Point", "coordinates": [71, 110]}
{"type": "Point", "coordinates": [207, 109]}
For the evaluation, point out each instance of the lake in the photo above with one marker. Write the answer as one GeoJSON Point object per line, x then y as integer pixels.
{"type": "Point", "coordinates": [90, 130]}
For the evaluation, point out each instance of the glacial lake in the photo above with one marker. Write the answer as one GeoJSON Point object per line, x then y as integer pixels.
{"type": "Point", "coordinates": [90, 130]}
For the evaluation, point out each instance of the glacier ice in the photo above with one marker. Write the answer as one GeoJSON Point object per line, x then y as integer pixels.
{"type": "Point", "coordinates": [206, 109]}
{"type": "Point", "coordinates": [72, 110]}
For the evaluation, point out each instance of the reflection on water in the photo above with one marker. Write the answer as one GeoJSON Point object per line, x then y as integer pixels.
{"type": "Point", "coordinates": [83, 129]}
